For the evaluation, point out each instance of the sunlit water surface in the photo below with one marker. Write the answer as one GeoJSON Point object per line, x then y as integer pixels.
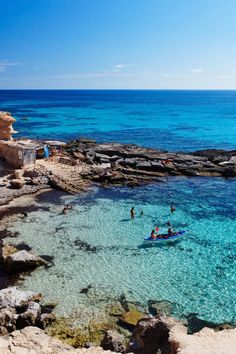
{"type": "Point", "coordinates": [98, 244]}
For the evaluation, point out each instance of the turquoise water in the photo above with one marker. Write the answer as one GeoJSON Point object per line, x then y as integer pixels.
{"type": "Point", "coordinates": [98, 244]}
{"type": "Point", "coordinates": [172, 120]}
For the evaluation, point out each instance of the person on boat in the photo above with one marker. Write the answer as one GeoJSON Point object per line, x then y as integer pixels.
{"type": "Point", "coordinates": [153, 235]}
{"type": "Point", "coordinates": [132, 213]}
{"type": "Point", "coordinates": [172, 209]}
{"type": "Point", "coordinates": [157, 230]}
{"type": "Point", "coordinates": [170, 232]}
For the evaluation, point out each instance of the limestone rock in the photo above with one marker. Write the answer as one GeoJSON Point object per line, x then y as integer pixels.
{"type": "Point", "coordinates": [32, 340]}
{"type": "Point", "coordinates": [46, 319]}
{"type": "Point", "coordinates": [17, 183]}
{"type": "Point", "coordinates": [30, 316]}
{"type": "Point", "coordinates": [6, 130]}
{"type": "Point", "coordinates": [23, 261]}
{"type": "Point", "coordinates": [115, 341]}
{"type": "Point", "coordinates": [15, 298]}
{"type": "Point", "coordinates": [151, 335]}
{"type": "Point", "coordinates": [6, 250]}
{"type": "Point", "coordinates": [207, 341]}
{"type": "Point", "coordinates": [7, 319]}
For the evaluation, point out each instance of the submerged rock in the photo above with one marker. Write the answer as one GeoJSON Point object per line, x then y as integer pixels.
{"type": "Point", "coordinates": [163, 307]}
{"type": "Point", "coordinates": [130, 318]}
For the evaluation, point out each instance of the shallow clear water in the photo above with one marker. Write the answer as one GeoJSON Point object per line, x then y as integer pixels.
{"type": "Point", "coordinates": [98, 244]}
{"type": "Point", "coordinates": [172, 120]}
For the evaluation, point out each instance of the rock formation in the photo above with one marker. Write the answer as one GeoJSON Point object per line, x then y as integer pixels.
{"type": "Point", "coordinates": [19, 309]}
{"type": "Point", "coordinates": [16, 261]}
{"type": "Point", "coordinates": [6, 130]}
{"type": "Point", "coordinates": [34, 341]}
{"type": "Point", "coordinates": [165, 335]}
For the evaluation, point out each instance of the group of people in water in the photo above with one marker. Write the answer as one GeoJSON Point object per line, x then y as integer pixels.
{"type": "Point", "coordinates": [155, 232]}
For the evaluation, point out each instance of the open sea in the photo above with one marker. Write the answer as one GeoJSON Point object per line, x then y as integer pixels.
{"type": "Point", "coordinates": [97, 244]}
{"type": "Point", "coordinates": [172, 120]}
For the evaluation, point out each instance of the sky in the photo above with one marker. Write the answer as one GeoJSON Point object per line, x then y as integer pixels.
{"type": "Point", "coordinates": [118, 44]}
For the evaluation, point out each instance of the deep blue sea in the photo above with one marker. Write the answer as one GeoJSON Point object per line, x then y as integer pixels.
{"type": "Point", "coordinates": [172, 120]}
{"type": "Point", "coordinates": [198, 273]}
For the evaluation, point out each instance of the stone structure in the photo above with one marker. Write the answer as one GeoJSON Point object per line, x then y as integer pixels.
{"type": "Point", "coordinates": [18, 153]}
{"type": "Point", "coordinates": [6, 130]}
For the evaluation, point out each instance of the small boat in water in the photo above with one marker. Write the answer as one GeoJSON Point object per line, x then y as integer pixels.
{"type": "Point", "coordinates": [162, 238]}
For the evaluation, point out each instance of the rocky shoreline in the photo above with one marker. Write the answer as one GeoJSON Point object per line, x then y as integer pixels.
{"type": "Point", "coordinates": [82, 163]}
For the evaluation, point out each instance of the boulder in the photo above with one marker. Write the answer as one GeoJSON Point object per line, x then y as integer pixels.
{"type": "Point", "coordinates": [151, 336]}
{"type": "Point", "coordinates": [6, 250]}
{"type": "Point", "coordinates": [23, 261]}
{"type": "Point", "coordinates": [30, 316]}
{"type": "Point", "coordinates": [129, 161]}
{"type": "Point", "coordinates": [130, 318]}
{"type": "Point", "coordinates": [17, 183]}
{"type": "Point", "coordinates": [15, 298]}
{"type": "Point", "coordinates": [8, 319]}
{"type": "Point", "coordinates": [115, 341]}
{"type": "Point", "coordinates": [163, 307]}
{"type": "Point", "coordinates": [46, 319]}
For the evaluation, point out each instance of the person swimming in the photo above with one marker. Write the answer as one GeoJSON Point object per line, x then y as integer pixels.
{"type": "Point", "coordinates": [132, 213]}
{"type": "Point", "coordinates": [172, 209]}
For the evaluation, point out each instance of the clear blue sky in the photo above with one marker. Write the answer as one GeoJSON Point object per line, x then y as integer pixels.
{"type": "Point", "coordinates": [156, 44]}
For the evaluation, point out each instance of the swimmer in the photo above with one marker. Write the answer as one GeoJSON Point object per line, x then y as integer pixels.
{"type": "Point", "coordinates": [172, 209]}
{"type": "Point", "coordinates": [141, 213]}
{"type": "Point", "coordinates": [66, 208]}
{"type": "Point", "coordinates": [132, 213]}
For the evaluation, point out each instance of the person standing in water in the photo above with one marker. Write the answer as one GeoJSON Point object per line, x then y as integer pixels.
{"type": "Point", "coordinates": [132, 213]}
{"type": "Point", "coordinates": [172, 209]}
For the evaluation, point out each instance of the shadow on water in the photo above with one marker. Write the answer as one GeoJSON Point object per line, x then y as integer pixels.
{"type": "Point", "coordinates": [165, 245]}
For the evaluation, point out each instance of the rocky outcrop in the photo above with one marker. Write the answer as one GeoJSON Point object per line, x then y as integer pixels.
{"type": "Point", "coordinates": [21, 261]}
{"type": "Point", "coordinates": [19, 309]}
{"type": "Point", "coordinates": [34, 341]}
{"type": "Point", "coordinates": [16, 261]}
{"type": "Point", "coordinates": [6, 130]}
{"type": "Point", "coordinates": [114, 341]}
{"type": "Point", "coordinates": [14, 298]}
{"type": "Point", "coordinates": [166, 335]}
{"type": "Point", "coordinates": [15, 183]}
{"type": "Point", "coordinates": [132, 165]}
